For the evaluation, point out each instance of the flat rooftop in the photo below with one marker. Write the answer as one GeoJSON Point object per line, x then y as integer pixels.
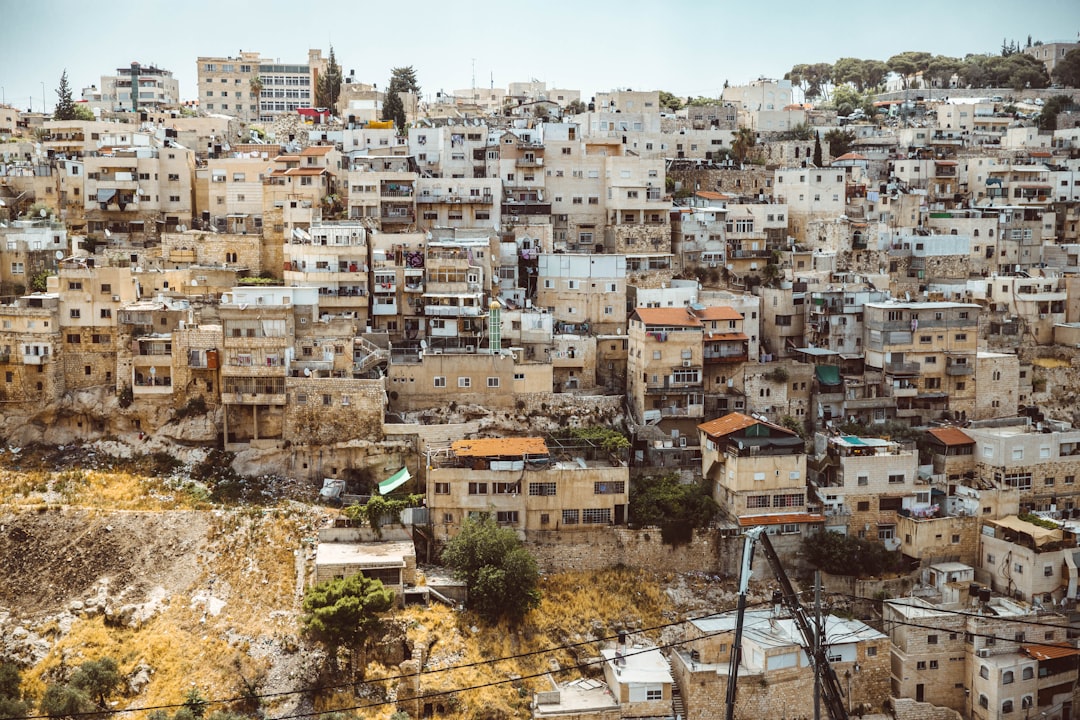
{"type": "Point", "coordinates": [377, 554]}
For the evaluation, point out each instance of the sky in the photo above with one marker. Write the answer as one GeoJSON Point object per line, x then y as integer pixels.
{"type": "Point", "coordinates": [687, 47]}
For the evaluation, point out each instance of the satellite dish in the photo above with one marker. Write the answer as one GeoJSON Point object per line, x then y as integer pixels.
{"type": "Point", "coordinates": [423, 344]}
{"type": "Point", "coordinates": [108, 233]}
{"type": "Point", "coordinates": [59, 254]}
{"type": "Point", "coordinates": [194, 283]}
{"type": "Point", "coordinates": [42, 212]}
{"type": "Point", "coordinates": [307, 372]}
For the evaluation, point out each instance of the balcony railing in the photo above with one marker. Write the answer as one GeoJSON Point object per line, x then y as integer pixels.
{"type": "Point", "coordinates": [903, 368]}
{"type": "Point", "coordinates": [959, 369]}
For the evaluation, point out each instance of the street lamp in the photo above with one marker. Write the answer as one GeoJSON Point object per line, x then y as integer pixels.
{"type": "Point", "coordinates": [42, 97]}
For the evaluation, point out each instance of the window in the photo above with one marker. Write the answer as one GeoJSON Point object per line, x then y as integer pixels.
{"type": "Point", "coordinates": [478, 488]}
{"type": "Point", "coordinates": [895, 479]}
{"type": "Point", "coordinates": [570, 517]}
{"type": "Point", "coordinates": [931, 639]}
{"type": "Point", "coordinates": [920, 665]}
{"type": "Point", "coordinates": [863, 480]}
{"type": "Point", "coordinates": [506, 516]}
{"type": "Point", "coordinates": [596, 516]}
{"type": "Point", "coordinates": [542, 489]}
{"type": "Point", "coordinates": [506, 488]}
{"type": "Point", "coordinates": [863, 506]}
{"type": "Point", "coordinates": [984, 702]}
{"type": "Point", "coordinates": [654, 694]}
{"type": "Point", "coordinates": [757, 501]}
{"type": "Point", "coordinates": [493, 382]}
{"type": "Point", "coordinates": [1027, 673]}
{"type": "Point", "coordinates": [440, 381]}
{"type": "Point", "coordinates": [616, 487]}
{"type": "Point", "coordinates": [106, 313]}
{"type": "Point", "coordinates": [464, 382]}
{"type": "Point", "coordinates": [1007, 706]}
{"type": "Point", "coordinates": [933, 664]}
{"type": "Point", "coordinates": [442, 488]}
{"type": "Point", "coordinates": [1048, 571]}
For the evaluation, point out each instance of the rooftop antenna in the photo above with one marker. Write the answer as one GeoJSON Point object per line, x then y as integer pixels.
{"type": "Point", "coordinates": [474, 73]}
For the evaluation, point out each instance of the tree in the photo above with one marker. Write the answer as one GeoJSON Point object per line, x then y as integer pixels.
{"type": "Point", "coordinates": [840, 142]}
{"type": "Point", "coordinates": [98, 679]}
{"type": "Point", "coordinates": [403, 79]}
{"type": "Point", "coordinates": [846, 100]}
{"type": "Point", "coordinates": [817, 149]}
{"type": "Point", "coordinates": [343, 611]}
{"type": "Point", "coordinates": [1067, 71]}
{"type": "Point", "coordinates": [669, 101]}
{"type": "Point", "coordinates": [328, 89]}
{"type": "Point", "coordinates": [908, 64]}
{"type": "Point", "coordinates": [83, 112]}
{"type": "Point", "coordinates": [65, 106]}
{"type": "Point", "coordinates": [11, 703]}
{"type": "Point", "coordinates": [663, 500]}
{"type": "Point", "coordinates": [576, 107]}
{"type": "Point", "coordinates": [847, 555]}
{"type": "Point", "coordinates": [850, 70]}
{"type": "Point", "coordinates": [941, 70]}
{"type": "Point", "coordinates": [63, 700]}
{"type": "Point", "coordinates": [500, 574]}
{"type": "Point", "coordinates": [394, 109]}
{"type": "Point", "coordinates": [744, 141]}
{"type": "Point", "coordinates": [1050, 110]}
{"type": "Point", "coordinates": [1024, 71]}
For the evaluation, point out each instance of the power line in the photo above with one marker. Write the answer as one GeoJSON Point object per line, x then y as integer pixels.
{"type": "Point", "coordinates": [449, 668]}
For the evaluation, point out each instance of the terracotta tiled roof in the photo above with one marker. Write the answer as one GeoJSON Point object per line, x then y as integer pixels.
{"type": "Point", "coordinates": [667, 316]}
{"type": "Point", "coordinates": [850, 156]}
{"type": "Point", "coordinates": [1050, 652]}
{"type": "Point", "coordinates": [499, 447]}
{"type": "Point", "coordinates": [720, 312]}
{"type": "Point", "coordinates": [755, 520]}
{"type": "Point", "coordinates": [317, 150]}
{"type": "Point", "coordinates": [951, 436]}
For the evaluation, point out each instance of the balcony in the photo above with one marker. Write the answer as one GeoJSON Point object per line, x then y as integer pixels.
{"type": "Point", "coordinates": [153, 385]}
{"type": "Point", "coordinates": [453, 311]}
{"type": "Point", "coordinates": [485, 198]}
{"type": "Point", "coordinates": [29, 359]}
{"type": "Point", "coordinates": [379, 308]}
{"type": "Point", "coordinates": [529, 162]}
{"type": "Point", "coordinates": [687, 411]}
{"type": "Point", "coordinates": [868, 403]}
{"type": "Point", "coordinates": [902, 368]}
{"type": "Point", "coordinates": [254, 398]}
{"type": "Point", "coordinates": [959, 369]}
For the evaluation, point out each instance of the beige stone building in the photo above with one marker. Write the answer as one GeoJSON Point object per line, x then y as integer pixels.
{"type": "Point", "coordinates": [332, 257]}
{"type": "Point", "coordinates": [926, 353]}
{"type": "Point", "coordinates": [465, 202]}
{"type": "Point", "coordinates": [583, 291]}
{"type": "Point", "coordinates": [810, 194]}
{"type": "Point", "coordinates": [298, 184]}
{"type": "Point", "coordinates": [31, 351]}
{"type": "Point", "coordinates": [526, 484]}
{"type": "Point", "coordinates": [229, 192]}
{"type": "Point", "coordinates": [775, 678]}
{"type": "Point", "coordinates": [28, 247]}
{"type": "Point", "coordinates": [383, 188]}
{"type": "Point", "coordinates": [139, 191]}
{"type": "Point", "coordinates": [757, 472]}
{"type": "Point", "coordinates": [257, 89]}
{"type": "Point", "coordinates": [664, 369]}
{"type": "Point", "coordinates": [864, 484]}
{"type": "Point", "coordinates": [1027, 561]}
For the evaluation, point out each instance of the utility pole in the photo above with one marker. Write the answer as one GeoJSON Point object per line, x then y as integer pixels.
{"type": "Point", "coordinates": [817, 644]}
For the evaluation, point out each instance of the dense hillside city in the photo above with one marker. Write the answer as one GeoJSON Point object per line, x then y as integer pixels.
{"type": "Point", "coordinates": [333, 398]}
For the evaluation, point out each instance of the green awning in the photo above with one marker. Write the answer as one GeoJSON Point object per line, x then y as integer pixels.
{"type": "Point", "coordinates": [828, 374]}
{"type": "Point", "coordinates": [394, 481]}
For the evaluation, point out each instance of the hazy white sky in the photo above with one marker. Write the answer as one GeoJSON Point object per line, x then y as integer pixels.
{"type": "Point", "coordinates": [689, 47]}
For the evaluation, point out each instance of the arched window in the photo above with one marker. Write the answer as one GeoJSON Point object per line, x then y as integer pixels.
{"type": "Point", "coordinates": [1007, 706]}
{"type": "Point", "coordinates": [1007, 677]}
{"type": "Point", "coordinates": [984, 702]}
{"type": "Point", "coordinates": [1028, 673]}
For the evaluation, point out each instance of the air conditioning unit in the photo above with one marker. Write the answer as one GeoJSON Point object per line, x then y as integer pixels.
{"type": "Point", "coordinates": [983, 653]}
{"type": "Point", "coordinates": [470, 348]}
{"type": "Point", "coordinates": [116, 298]}
{"type": "Point", "coordinates": [686, 363]}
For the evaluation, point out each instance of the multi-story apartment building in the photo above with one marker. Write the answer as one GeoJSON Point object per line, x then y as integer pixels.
{"type": "Point", "coordinates": [90, 301]}
{"type": "Point", "coordinates": [144, 350]}
{"type": "Point", "coordinates": [28, 247]}
{"type": "Point", "coordinates": [139, 88]}
{"type": "Point", "coordinates": [460, 203]}
{"type": "Point", "coordinates": [985, 657]}
{"type": "Point", "coordinates": [257, 89]}
{"type": "Point", "coordinates": [761, 94]}
{"type": "Point", "coordinates": [31, 351]}
{"type": "Point", "coordinates": [334, 258]}
{"type": "Point", "coordinates": [1027, 561]}
{"type": "Point", "coordinates": [299, 184]}
{"type": "Point", "coordinates": [583, 291]}
{"type": "Point", "coordinates": [457, 282]}
{"type": "Point", "coordinates": [757, 472]}
{"type": "Point", "coordinates": [383, 188]}
{"type": "Point", "coordinates": [396, 282]}
{"type": "Point", "coordinates": [526, 484]}
{"type": "Point", "coordinates": [1041, 460]}
{"type": "Point", "coordinates": [451, 151]}
{"type": "Point", "coordinates": [139, 191]}
{"type": "Point", "coordinates": [664, 369]}
{"type": "Point", "coordinates": [864, 484]}
{"type": "Point", "coordinates": [810, 194]}
{"type": "Point", "coordinates": [926, 354]}
{"type": "Point", "coordinates": [229, 191]}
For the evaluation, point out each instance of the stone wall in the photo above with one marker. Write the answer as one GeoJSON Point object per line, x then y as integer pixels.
{"type": "Point", "coordinates": [708, 551]}
{"type": "Point", "coordinates": [333, 410]}
{"type": "Point", "coordinates": [947, 539]}
{"type": "Point", "coordinates": [908, 709]}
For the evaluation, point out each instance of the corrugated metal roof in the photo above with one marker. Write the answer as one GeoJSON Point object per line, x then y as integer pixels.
{"type": "Point", "coordinates": [790, 518]}
{"type": "Point", "coordinates": [951, 436]}
{"type": "Point", "coordinates": [727, 424]}
{"type": "Point", "coordinates": [1050, 652]}
{"type": "Point", "coordinates": [499, 447]}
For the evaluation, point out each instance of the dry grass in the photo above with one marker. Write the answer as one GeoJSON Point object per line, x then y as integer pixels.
{"type": "Point", "coordinates": [112, 490]}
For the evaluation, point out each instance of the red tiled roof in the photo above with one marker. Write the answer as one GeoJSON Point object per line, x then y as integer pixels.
{"type": "Point", "coordinates": [498, 447]}
{"type": "Point", "coordinates": [951, 436]}
{"type": "Point", "coordinates": [720, 312]}
{"type": "Point", "coordinates": [317, 150]}
{"type": "Point", "coordinates": [755, 520]}
{"type": "Point", "coordinates": [1050, 652]}
{"type": "Point", "coordinates": [850, 156]}
{"type": "Point", "coordinates": [667, 316]}
{"type": "Point", "coordinates": [710, 195]}
{"type": "Point", "coordinates": [733, 422]}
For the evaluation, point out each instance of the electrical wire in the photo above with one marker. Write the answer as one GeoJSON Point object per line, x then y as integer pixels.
{"type": "Point", "coordinates": [322, 688]}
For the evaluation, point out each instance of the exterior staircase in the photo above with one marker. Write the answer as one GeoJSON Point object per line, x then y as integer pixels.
{"type": "Point", "coordinates": [369, 354]}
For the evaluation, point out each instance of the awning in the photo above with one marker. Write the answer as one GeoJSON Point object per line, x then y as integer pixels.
{"type": "Point", "coordinates": [104, 195]}
{"type": "Point", "coordinates": [394, 481]}
{"type": "Point", "coordinates": [828, 374]}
